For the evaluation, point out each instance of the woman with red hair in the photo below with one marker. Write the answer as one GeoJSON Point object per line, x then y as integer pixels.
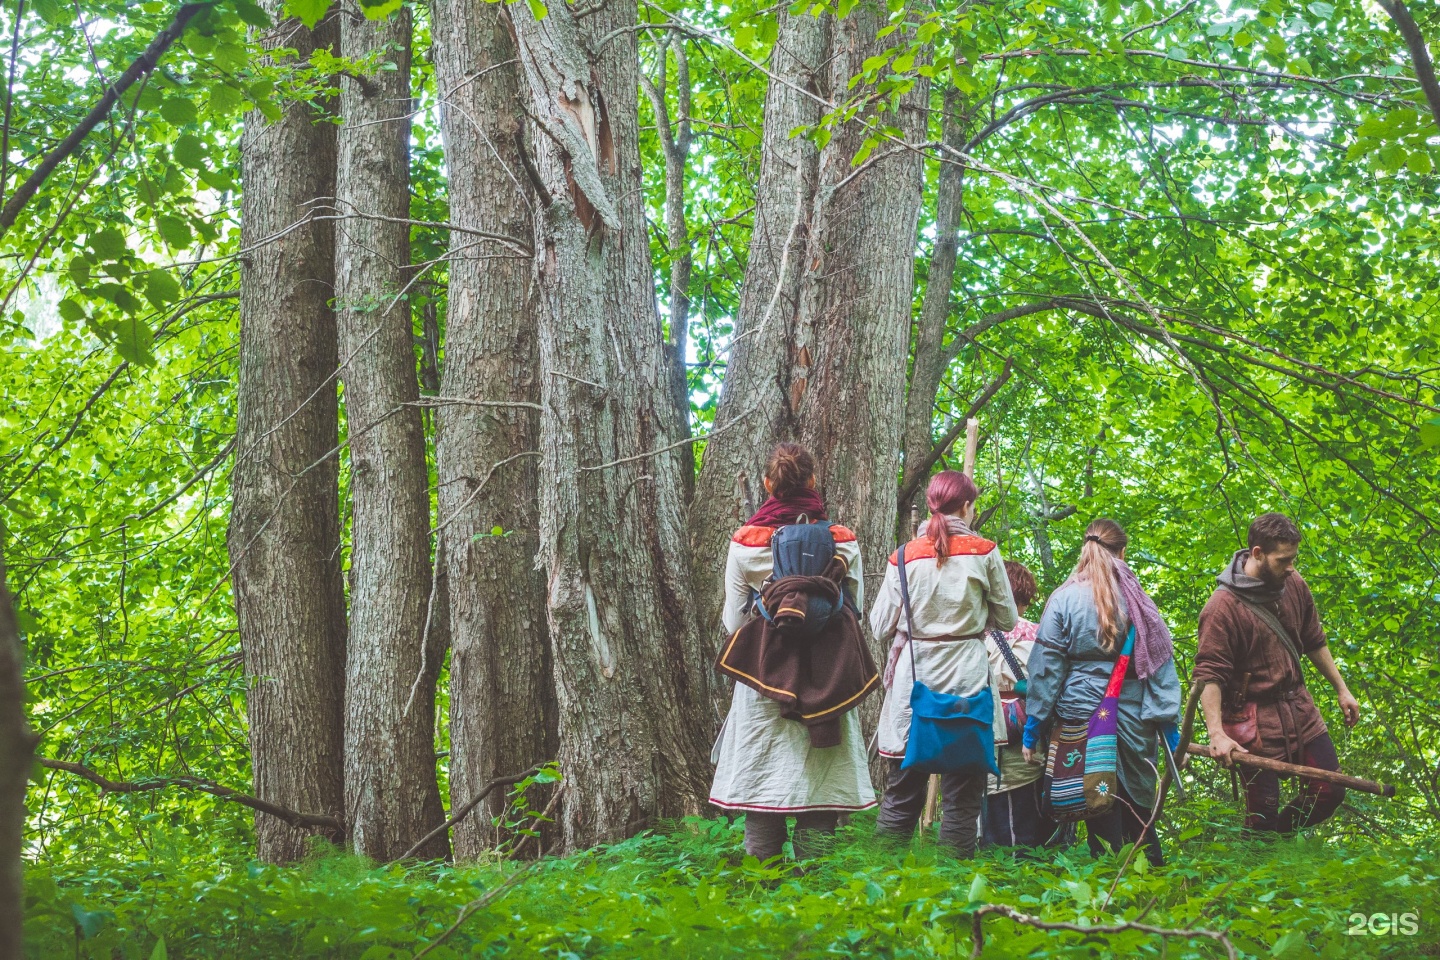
{"type": "Point", "coordinates": [958, 588]}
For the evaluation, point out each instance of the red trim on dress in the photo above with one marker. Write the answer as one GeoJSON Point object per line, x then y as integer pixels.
{"type": "Point", "coordinates": [842, 534]}
{"type": "Point", "coordinates": [923, 549]}
{"type": "Point", "coordinates": [760, 808]}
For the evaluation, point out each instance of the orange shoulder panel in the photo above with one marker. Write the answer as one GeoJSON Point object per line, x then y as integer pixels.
{"type": "Point", "coordinates": [923, 549]}
{"type": "Point", "coordinates": [752, 536]}
{"type": "Point", "coordinates": [842, 534]}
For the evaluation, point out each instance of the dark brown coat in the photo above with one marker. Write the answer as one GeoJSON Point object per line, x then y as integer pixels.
{"type": "Point", "coordinates": [1234, 640]}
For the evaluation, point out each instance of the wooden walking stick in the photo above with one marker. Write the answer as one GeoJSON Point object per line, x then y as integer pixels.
{"type": "Point", "coordinates": [1294, 769]}
{"type": "Point", "coordinates": [932, 789]}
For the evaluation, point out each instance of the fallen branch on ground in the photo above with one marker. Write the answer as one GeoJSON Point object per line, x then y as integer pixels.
{"type": "Point", "coordinates": [469, 805]}
{"type": "Point", "coordinates": [977, 932]}
{"type": "Point", "coordinates": [301, 821]}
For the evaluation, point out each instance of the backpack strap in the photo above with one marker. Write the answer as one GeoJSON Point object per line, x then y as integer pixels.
{"type": "Point", "coordinates": [1008, 654]}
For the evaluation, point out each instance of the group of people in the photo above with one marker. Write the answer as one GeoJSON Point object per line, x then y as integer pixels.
{"type": "Point", "coordinates": [965, 631]}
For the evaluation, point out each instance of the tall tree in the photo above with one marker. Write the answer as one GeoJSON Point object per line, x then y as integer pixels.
{"type": "Point", "coordinates": [851, 337]}
{"type": "Point", "coordinates": [392, 798]}
{"type": "Point", "coordinates": [284, 535]}
{"type": "Point", "coordinates": [757, 383]}
{"type": "Point", "coordinates": [501, 692]}
{"type": "Point", "coordinates": [17, 749]}
{"type": "Point", "coordinates": [629, 674]}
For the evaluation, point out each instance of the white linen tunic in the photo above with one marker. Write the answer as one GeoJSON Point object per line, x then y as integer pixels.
{"type": "Point", "coordinates": [958, 598]}
{"type": "Point", "coordinates": [764, 762]}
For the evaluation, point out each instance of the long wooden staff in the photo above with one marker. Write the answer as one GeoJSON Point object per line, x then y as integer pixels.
{"type": "Point", "coordinates": [1294, 769]}
{"type": "Point", "coordinates": [932, 790]}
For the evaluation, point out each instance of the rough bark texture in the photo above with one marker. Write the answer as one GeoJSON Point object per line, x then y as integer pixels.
{"type": "Point", "coordinates": [675, 144]}
{"type": "Point", "coordinates": [757, 381]}
{"type": "Point", "coordinates": [501, 693]}
{"type": "Point", "coordinates": [17, 750]}
{"type": "Point", "coordinates": [930, 360]}
{"type": "Point", "coordinates": [392, 798]}
{"type": "Point", "coordinates": [855, 305]}
{"type": "Point", "coordinates": [284, 535]}
{"type": "Point", "coordinates": [630, 675]}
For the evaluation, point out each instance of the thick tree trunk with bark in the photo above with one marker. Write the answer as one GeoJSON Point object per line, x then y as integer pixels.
{"type": "Point", "coordinates": [630, 674]}
{"type": "Point", "coordinates": [17, 751]}
{"type": "Point", "coordinates": [930, 359]}
{"type": "Point", "coordinates": [758, 377]}
{"type": "Point", "coordinates": [284, 535]}
{"type": "Point", "coordinates": [855, 304]}
{"type": "Point", "coordinates": [392, 798]}
{"type": "Point", "coordinates": [501, 692]}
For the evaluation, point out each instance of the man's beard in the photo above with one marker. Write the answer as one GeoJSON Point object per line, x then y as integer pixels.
{"type": "Point", "coordinates": [1271, 578]}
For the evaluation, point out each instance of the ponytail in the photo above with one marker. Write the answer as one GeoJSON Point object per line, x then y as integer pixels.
{"type": "Point", "coordinates": [949, 493]}
{"type": "Point", "coordinates": [1104, 541]}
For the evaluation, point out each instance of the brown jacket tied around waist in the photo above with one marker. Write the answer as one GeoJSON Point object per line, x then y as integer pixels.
{"type": "Point", "coordinates": [815, 679]}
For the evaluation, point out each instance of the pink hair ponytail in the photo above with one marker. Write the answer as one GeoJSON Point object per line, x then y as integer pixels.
{"type": "Point", "coordinates": [949, 493]}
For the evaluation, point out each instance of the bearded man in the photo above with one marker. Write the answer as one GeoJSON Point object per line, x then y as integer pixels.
{"type": "Point", "coordinates": [1253, 631]}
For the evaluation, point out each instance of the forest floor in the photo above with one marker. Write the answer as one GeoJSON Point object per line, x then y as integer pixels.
{"type": "Point", "coordinates": [688, 891]}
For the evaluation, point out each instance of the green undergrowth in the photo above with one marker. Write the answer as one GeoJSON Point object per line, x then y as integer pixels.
{"type": "Point", "coordinates": [688, 891]}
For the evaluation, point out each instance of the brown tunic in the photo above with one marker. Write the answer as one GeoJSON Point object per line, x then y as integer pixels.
{"type": "Point", "coordinates": [1233, 640]}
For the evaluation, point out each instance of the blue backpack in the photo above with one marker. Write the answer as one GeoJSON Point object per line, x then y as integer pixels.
{"type": "Point", "coordinates": [803, 550]}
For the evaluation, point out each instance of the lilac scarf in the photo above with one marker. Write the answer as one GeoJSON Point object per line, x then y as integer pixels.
{"type": "Point", "coordinates": [1153, 646]}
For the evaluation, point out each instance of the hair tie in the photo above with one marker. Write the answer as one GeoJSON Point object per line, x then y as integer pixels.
{"type": "Point", "coordinates": [1095, 537]}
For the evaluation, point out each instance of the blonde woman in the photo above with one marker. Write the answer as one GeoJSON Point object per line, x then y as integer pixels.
{"type": "Point", "coordinates": [1081, 634]}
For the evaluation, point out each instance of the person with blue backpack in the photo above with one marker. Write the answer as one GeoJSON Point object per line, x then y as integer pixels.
{"type": "Point", "coordinates": [942, 711]}
{"type": "Point", "coordinates": [792, 745]}
{"type": "Point", "coordinates": [1102, 689]}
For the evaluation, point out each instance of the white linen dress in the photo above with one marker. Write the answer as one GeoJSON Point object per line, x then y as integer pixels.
{"type": "Point", "coordinates": [764, 762]}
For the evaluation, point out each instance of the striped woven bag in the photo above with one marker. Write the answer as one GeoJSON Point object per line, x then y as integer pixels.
{"type": "Point", "coordinates": [1080, 768]}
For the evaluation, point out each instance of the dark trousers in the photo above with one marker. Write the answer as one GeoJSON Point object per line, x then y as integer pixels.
{"type": "Point", "coordinates": [766, 833]}
{"type": "Point", "coordinates": [1014, 818]}
{"type": "Point", "coordinates": [960, 798]}
{"type": "Point", "coordinates": [1123, 823]}
{"type": "Point", "coordinates": [1316, 802]}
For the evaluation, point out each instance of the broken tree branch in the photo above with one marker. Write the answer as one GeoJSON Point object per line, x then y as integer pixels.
{"type": "Point", "coordinates": [293, 818]}
{"type": "Point", "coordinates": [922, 469]}
{"type": "Point", "coordinates": [469, 805]}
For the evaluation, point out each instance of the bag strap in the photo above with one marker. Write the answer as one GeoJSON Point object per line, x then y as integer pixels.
{"type": "Point", "coordinates": [1008, 654]}
{"type": "Point", "coordinates": [905, 603]}
{"type": "Point", "coordinates": [1267, 617]}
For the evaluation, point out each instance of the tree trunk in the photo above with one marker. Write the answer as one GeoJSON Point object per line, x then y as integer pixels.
{"type": "Point", "coordinates": [855, 304]}
{"type": "Point", "coordinates": [758, 377]}
{"type": "Point", "coordinates": [392, 798]}
{"type": "Point", "coordinates": [930, 360]}
{"type": "Point", "coordinates": [630, 674]}
{"type": "Point", "coordinates": [284, 535]}
{"type": "Point", "coordinates": [17, 751]}
{"type": "Point", "coordinates": [501, 693]}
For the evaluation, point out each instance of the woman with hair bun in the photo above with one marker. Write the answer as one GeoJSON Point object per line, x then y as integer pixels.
{"type": "Point", "coordinates": [958, 587]}
{"type": "Point", "coordinates": [1081, 634]}
{"type": "Point", "coordinates": [766, 766]}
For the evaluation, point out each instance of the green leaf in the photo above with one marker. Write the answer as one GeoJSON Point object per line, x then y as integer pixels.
{"type": "Point", "coordinates": [108, 244]}
{"type": "Point", "coordinates": [133, 340]}
{"type": "Point", "coordinates": [179, 110]}
{"type": "Point", "coordinates": [1322, 10]}
{"type": "Point", "coordinates": [224, 98]}
{"type": "Point", "coordinates": [189, 151]}
{"type": "Point", "coordinates": [174, 230]}
{"type": "Point", "coordinates": [308, 11]}
{"type": "Point", "coordinates": [380, 9]}
{"type": "Point", "coordinates": [1275, 46]}
{"type": "Point", "coordinates": [161, 288]}
{"type": "Point", "coordinates": [251, 13]}
{"type": "Point", "coordinates": [89, 922]}
{"type": "Point", "coordinates": [159, 953]}
{"type": "Point", "coordinates": [53, 12]}
{"type": "Point", "coordinates": [904, 63]}
{"type": "Point", "coordinates": [978, 888]}
{"type": "Point", "coordinates": [70, 310]}
{"type": "Point", "coordinates": [1430, 433]}
{"type": "Point", "coordinates": [1419, 162]}
{"type": "Point", "coordinates": [538, 10]}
